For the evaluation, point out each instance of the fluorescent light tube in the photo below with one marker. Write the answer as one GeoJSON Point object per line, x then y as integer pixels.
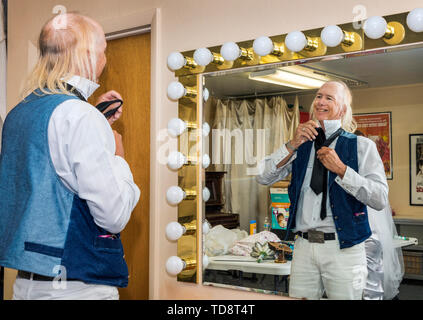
{"type": "Point", "coordinates": [288, 79]}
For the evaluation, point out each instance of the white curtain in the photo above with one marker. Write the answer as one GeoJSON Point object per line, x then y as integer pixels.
{"type": "Point", "coordinates": [2, 70]}
{"type": "Point", "coordinates": [243, 132]}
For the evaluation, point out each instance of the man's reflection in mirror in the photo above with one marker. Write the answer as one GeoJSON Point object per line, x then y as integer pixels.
{"type": "Point", "coordinates": [336, 175]}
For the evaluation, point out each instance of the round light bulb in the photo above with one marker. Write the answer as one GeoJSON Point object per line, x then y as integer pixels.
{"type": "Point", "coordinates": [175, 90]}
{"type": "Point", "coordinates": [206, 94]}
{"type": "Point", "coordinates": [176, 126]}
{"type": "Point", "coordinates": [174, 265]}
{"type": "Point", "coordinates": [230, 51]}
{"type": "Point", "coordinates": [206, 194]}
{"type": "Point", "coordinates": [332, 36]}
{"type": "Point", "coordinates": [415, 20]}
{"type": "Point", "coordinates": [174, 231]}
{"type": "Point", "coordinates": [375, 27]}
{"type": "Point", "coordinates": [175, 61]}
{"type": "Point", "coordinates": [206, 227]}
{"type": "Point", "coordinates": [205, 261]}
{"type": "Point", "coordinates": [203, 56]}
{"type": "Point", "coordinates": [206, 129]}
{"type": "Point", "coordinates": [295, 41]}
{"type": "Point", "coordinates": [206, 161]}
{"type": "Point", "coordinates": [175, 195]}
{"type": "Point", "coordinates": [176, 160]}
{"type": "Point", "coordinates": [263, 46]}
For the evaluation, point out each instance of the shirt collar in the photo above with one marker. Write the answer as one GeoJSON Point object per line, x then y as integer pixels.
{"type": "Point", "coordinates": [331, 126]}
{"type": "Point", "coordinates": [85, 86]}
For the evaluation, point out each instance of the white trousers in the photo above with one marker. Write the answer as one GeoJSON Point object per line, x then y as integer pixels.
{"type": "Point", "coordinates": [323, 267]}
{"type": "Point", "coordinates": [25, 289]}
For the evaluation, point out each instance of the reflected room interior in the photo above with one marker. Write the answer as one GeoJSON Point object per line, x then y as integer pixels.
{"type": "Point", "coordinates": [251, 113]}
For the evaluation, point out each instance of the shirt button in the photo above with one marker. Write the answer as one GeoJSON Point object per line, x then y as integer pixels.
{"type": "Point", "coordinates": [335, 217]}
{"type": "Point", "coordinates": [339, 229]}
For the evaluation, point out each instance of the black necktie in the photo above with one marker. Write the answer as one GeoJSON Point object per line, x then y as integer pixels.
{"type": "Point", "coordinates": [101, 106]}
{"type": "Point", "coordinates": [319, 177]}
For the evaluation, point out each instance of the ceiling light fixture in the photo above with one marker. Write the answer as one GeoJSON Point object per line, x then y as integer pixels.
{"type": "Point", "coordinates": [288, 79]}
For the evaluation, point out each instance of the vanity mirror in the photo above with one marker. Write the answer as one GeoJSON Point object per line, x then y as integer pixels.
{"type": "Point", "coordinates": [251, 118]}
{"type": "Point", "coordinates": [250, 97]}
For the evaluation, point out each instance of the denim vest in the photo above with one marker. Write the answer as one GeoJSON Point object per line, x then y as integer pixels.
{"type": "Point", "coordinates": [44, 227]}
{"type": "Point", "coordinates": [349, 214]}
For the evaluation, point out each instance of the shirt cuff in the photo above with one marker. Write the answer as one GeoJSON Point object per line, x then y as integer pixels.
{"type": "Point", "coordinates": [281, 154]}
{"type": "Point", "coordinates": [349, 182]}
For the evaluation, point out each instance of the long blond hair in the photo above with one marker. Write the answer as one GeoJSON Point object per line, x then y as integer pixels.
{"type": "Point", "coordinates": [347, 121]}
{"type": "Point", "coordinates": [67, 46]}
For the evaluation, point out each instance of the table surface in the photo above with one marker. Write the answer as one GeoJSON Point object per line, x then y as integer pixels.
{"type": "Point", "coordinates": [249, 264]}
{"type": "Point", "coordinates": [405, 242]}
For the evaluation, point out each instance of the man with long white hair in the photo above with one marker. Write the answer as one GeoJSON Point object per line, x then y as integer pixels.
{"type": "Point", "coordinates": [66, 191]}
{"type": "Point", "coordinates": [335, 176]}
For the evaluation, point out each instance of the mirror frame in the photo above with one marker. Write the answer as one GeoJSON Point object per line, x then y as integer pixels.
{"type": "Point", "coordinates": [190, 109]}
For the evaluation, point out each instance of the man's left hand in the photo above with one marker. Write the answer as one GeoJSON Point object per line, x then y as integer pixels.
{"type": "Point", "coordinates": [109, 96]}
{"type": "Point", "coordinates": [329, 158]}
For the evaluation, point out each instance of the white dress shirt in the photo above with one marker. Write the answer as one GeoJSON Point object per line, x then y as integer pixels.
{"type": "Point", "coordinates": [82, 148]}
{"type": "Point", "coordinates": [368, 185]}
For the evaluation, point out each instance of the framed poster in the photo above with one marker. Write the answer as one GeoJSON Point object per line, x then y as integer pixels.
{"type": "Point", "coordinates": [416, 169]}
{"type": "Point", "coordinates": [378, 127]}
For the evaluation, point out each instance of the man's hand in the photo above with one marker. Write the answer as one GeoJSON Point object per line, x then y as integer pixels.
{"type": "Point", "coordinates": [109, 96]}
{"type": "Point", "coordinates": [305, 132]}
{"type": "Point", "coordinates": [329, 158]}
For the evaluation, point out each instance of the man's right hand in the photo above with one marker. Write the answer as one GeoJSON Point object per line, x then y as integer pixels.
{"type": "Point", "coordinates": [119, 144]}
{"type": "Point", "coordinates": [305, 132]}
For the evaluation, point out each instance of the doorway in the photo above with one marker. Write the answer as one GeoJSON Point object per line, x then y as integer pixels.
{"type": "Point", "coordinates": [128, 72]}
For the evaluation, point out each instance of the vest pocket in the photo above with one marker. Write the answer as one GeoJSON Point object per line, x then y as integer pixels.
{"type": "Point", "coordinates": [44, 249]}
{"type": "Point", "coordinates": [108, 244]}
{"type": "Point", "coordinates": [359, 217]}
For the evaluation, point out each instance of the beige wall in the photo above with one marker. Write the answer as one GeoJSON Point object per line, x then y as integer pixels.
{"type": "Point", "coordinates": [178, 26]}
{"type": "Point", "coordinates": [406, 105]}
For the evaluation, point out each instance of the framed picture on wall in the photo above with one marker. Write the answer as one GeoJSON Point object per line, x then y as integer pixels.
{"type": "Point", "coordinates": [378, 127]}
{"type": "Point", "coordinates": [416, 169]}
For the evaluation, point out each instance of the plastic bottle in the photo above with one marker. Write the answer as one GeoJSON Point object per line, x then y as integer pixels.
{"type": "Point", "coordinates": [253, 227]}
{"type": "Point", "coordinates": [266, 224]}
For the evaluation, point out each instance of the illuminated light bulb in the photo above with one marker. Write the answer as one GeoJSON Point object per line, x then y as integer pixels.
{"type": "Point", "coordinates": [206, 94]}
{"type": "Point", "coordinates": [176, 90]}
{"type": "Point", "coordinates": [175, 195]}
{"type": "Point", "coordinates": [415, 20]}
{"type": "Point", "coordinates": [230, 51]}
{"type": "Point", "coordinates": [263, 46]}
{"type": "Point", "coordinates": [205, 261]}
{"type": "Point", "coordinates": [174, 231]}
{"type": "Point", "coordinates": [175, 265]}
{"type": "Point", "coordinates": [296, 41]}
{"type": "Point", "coordinates": [206, 161]}
{"type": "Point", "coordinates": [206, 194]}
{"type": "Point", "coordinates": [332, 36]}
{"type": "Point", "coordinates": [176, 160]}
{"type": "Point", "coordinates": [206, 227]}
{"type": "Point", "coordinates": [176, 61]}
{"type": "Point", "coordinates": [375, 27]}
{"type": "Point", "coordinates": [203, 56]}
{"type": "Point", "coordinates": [176, 126]}
{"type": "Point", "coordinates": [206, 129]}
